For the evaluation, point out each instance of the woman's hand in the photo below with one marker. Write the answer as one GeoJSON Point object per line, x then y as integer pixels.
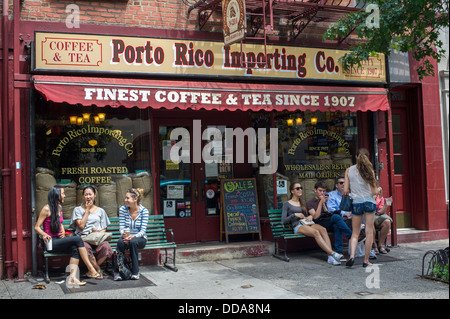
{"type": "Point", "coordinates": [89, 204]}
{"type": "Point", "coordinates": [309, 218]}
{"type": "Point", "coordinates": [127, 239]}
{"type": "Point", "coordinates": [46, 238]}
{"type": "Point", "coordinates": [300, 215]}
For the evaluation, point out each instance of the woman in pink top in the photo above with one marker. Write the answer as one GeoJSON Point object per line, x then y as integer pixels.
{"type": "Point", "coordinates": [50, 219]}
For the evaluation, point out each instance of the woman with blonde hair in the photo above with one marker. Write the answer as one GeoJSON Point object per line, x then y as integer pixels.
{"type": "Point", "coordinates": [133, 220]}
{"type": "Point", "coordinates": [361, 184]}
{"type": "Point", "coordinates": [294, 210]}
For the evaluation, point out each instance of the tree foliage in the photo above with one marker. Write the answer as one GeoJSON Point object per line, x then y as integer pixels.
{"type": "Point", "coordinates": [404, 25]}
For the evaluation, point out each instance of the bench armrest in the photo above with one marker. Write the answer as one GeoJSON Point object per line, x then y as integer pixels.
{"type": "Point", "coordinates": [171, 234]}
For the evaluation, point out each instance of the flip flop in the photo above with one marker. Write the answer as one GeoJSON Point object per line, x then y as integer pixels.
{"type": "Point", "coordinates": [382, 250]}
{"type": "Point", "coordinates": [96, 276]}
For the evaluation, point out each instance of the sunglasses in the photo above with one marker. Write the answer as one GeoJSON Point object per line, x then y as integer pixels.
{"type": "Point", "coordinates": [298, 188]}
{"type": "Point", "coordinates": [340, 183]}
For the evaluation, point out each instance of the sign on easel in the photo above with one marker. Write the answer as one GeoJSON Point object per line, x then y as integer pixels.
{"type": "Point", "coordinates": [239, 207]}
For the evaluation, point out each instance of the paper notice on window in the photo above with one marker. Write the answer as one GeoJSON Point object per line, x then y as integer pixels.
{"type": "Point", "coordinates": [169, 208]}
{"type": "Point", "coordinates": [175, 191]}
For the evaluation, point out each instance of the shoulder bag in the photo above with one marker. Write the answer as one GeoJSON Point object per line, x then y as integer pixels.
{"type": "Point", "coordinates": [96, 238]}
{"type": "Point", "coordinates": [346, 203]}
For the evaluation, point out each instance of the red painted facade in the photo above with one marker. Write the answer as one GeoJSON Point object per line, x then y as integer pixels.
{"type": "Point", "coordinates": [168, 20]}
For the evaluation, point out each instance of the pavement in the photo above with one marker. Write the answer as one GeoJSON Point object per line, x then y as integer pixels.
{"type": "Point", "coordinates": [307, 276]}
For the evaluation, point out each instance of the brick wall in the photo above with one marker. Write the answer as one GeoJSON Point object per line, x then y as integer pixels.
{"type": "Point", "coordinates": [159, 14]}
{"type": "Point", "coordinates": [168, 14]}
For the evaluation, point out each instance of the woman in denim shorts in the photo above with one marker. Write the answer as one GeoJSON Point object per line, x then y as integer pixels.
{"type": "Point", "coordinates": [361, 183]}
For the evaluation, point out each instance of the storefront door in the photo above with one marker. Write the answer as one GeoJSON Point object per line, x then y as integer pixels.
{"type": "Point", "coordinates": [189, 193]}
{"type": "Point", "coordinates": [401, 167]}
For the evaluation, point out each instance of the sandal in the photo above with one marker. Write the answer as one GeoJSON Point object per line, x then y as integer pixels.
{"type": "Point", "coordinates": [382, 250]}
{"type": "Point", "coordinates": [96, 276]}
{"type": "Point", "coordinates": [79, 283]}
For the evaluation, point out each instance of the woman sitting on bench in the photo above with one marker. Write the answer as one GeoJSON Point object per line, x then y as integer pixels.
{"type": "Point", "coordinates": [133, 219]}
{"type": "Point", "coordinates": [51, 220]}
{"type": "Point", "coordinates": [294, 212]}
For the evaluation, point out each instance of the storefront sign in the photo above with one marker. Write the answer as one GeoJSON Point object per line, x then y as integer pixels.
{"type": "Point", "coordinates": [234, 21]}
{"type": "Point", "coordinates": [176, 57]}
{"type": "Point", "coordinates": [208, 95]}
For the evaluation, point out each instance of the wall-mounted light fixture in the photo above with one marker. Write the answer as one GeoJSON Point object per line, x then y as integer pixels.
{"type": "Point", "coordinates": [298, 121]}
{"type": "Point", "coordinates": [313, 120]}
{"type": "Point", "coordinates": [290, 122]}
{"type": "Point", "coordinates": [86, 117]}
{"type": "Point", "coordinates": [73, 119]}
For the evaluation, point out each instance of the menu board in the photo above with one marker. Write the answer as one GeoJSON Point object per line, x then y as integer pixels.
{"type": "Point", "coordinates": [239, 209]}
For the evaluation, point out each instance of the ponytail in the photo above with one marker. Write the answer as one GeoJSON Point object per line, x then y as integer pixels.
{"type": "Point", "coordinates": [365, 167]}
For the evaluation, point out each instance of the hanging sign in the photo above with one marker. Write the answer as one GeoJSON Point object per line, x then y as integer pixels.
{"type": "Point", "coordinates": [234, 21]}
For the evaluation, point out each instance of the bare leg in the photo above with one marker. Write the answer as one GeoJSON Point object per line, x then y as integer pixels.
{"type": "Point", "coordinates": [74, 272]}
{"type": "Point", "coordinates": [385, 227]}
{"type": "Point", "coordinates": [356, 228]}
{"type": "Point", "coordinates": [314, 231]}
{"type": "Point", "coordinates": [85, 257]}
{"type": "Point", "coordinates": [369, 217]}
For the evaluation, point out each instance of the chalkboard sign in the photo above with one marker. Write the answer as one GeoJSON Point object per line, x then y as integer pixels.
{"type": "Point", "coordinates": [239, 209]}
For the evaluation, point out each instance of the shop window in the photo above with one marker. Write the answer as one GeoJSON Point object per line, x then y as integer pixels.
{"type": "Point", "coordinates": [314, 146]}
{"type": "Point", "coordinates": [105, 147]}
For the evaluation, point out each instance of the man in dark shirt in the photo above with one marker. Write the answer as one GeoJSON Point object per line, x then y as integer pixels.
{"type": "Point", "coordinates": [332, 222]}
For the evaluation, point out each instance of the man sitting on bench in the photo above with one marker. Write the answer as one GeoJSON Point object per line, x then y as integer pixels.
{"type": "Point", "coordinates": [332, 222]}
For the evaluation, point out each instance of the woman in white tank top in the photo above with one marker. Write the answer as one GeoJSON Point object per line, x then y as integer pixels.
{"type": "Point", "coordinates": [361, 184]}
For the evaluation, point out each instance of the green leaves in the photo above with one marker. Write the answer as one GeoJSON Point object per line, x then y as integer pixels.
{"type": "Point", "coordinates": [403, 25]}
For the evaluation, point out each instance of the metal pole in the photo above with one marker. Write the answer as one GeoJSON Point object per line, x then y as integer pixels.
{"type": "Point", "coordinates": [33, 184]}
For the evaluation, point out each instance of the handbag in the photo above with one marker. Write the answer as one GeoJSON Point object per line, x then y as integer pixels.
{"type": "Point", "coordinates": [346, 203]}
{"type": "Point", "coordinates": [123, 266]}
{"type": "Point", "coordinates": [96, 238]}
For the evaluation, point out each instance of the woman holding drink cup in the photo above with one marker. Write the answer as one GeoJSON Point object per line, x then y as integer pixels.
{"type": "Point", "coordinates": [133, 219]}
{"type": "Point", "coordinates": [53, 234]}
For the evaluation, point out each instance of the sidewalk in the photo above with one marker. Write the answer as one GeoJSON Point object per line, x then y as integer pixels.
{"type": "Point", "coordinates": [307, 275]}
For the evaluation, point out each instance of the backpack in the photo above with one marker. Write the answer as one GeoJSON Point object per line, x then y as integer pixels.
{"type": "Point", "coordinates": [123, 265]}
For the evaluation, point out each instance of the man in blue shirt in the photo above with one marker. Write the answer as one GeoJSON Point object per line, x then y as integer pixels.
{"type": "Point", "coordinates": [334, 200]}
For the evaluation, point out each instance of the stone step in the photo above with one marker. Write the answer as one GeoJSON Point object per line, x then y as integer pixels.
{"type": "Point", "coordinates": [211, 251]}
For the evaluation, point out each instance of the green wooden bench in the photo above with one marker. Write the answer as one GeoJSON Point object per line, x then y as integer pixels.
{"type": "Point", "coordinates": [281, 231]}
{"type": "Point", "coordinates": [156, 239]}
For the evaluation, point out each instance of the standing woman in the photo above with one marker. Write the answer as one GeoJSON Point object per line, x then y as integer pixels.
{"type": "Point", "coordinates": [360, 180]}
{"type": "Point", "coordinates": [90, 218]}
{"type": "Point", "coordinates": [134, 218]}
{"type": "Point", "coordinates": [51, 220]}
{"type": "Point", "coordinates": [294, 210]}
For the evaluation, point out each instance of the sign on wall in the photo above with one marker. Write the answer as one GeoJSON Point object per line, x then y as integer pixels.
{"type": "Point", "coordinates": [89, 53]}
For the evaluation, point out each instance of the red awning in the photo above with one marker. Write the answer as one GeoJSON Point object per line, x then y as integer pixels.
{"type": "Point", "coordinates": [168, 94]}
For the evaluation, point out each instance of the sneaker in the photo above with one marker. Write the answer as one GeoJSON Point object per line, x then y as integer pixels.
{"type": "Point", "coordinates": [372, 254]}
{"type": "Point", "coordinates": [135, 277]}
{"type": "Point", "coordinates": [117, 277]}
{"type": "Point", "coordinates": [337, 256]}
{"type": "Point", "coordinates": [333, 261]}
